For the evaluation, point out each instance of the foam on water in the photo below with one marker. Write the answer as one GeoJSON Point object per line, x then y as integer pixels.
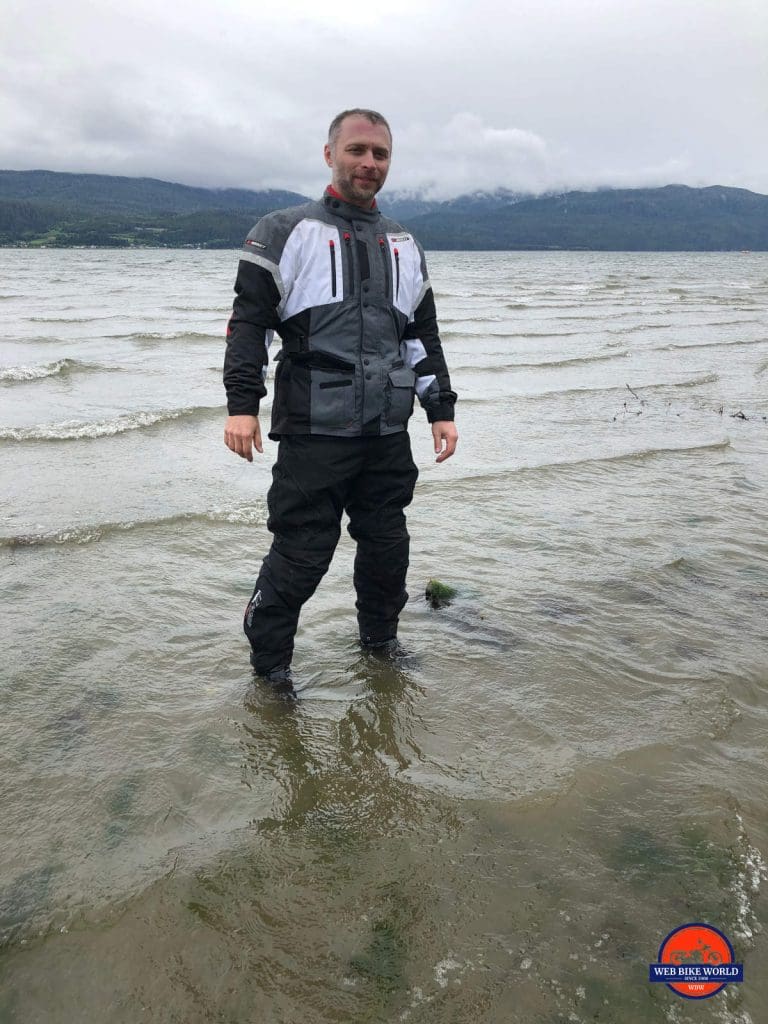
{"type": "Point", "coordinates": [76, 430]}
{"type": "Point", "coordinates": [154, 337]}
{"type": "Point", "coordinates": [246, 515]}
{"type": "Point", "coordinates": [40, 371]}
{"type": "Point", "coordinates": [751, 874]}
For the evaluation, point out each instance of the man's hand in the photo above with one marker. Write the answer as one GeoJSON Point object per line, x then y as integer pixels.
{"type": "Point", "coordinates": [242, 432]}
{"type": "Point", "coordinates": [445, 434]}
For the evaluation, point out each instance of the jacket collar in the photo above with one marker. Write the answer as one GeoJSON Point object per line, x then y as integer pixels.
{"type": "Point", "coordinates": [341, 208]}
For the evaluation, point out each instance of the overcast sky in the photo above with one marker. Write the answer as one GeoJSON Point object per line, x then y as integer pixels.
{"type": "Point", "coordinates": [528, 95]}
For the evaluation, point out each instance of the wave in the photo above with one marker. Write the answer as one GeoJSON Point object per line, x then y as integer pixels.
{"type": "Point", "coordinates": [511, 335]}
{"type": "Point", "coordinates": [42, 339]}
{"type": "Point", "coordinates": [640, 327]}
{"type": "Point", "coordinates": [619, 389]}
{"type": "Point", "coordinates": [39, 371]}
{"type": "Point", "coordinates": [543, 334]}
{"type": "Point", "coordinates": [199, 309]}
{"type": "Point", "coordinates": [63, 320]}
{"type": "Point", "coordinates": [592, 316]}
{"type": "Point", "coordinates": [575, 361]}
{"type": "Point", "coordinates": [472, 319]}
{"type": "Point", "coordinates": [746, 304]}
{"type": "Point", "coordinates": [694, 382]}
{"type": "Point", "coordinates": [732, 323]}
{"type": "Point", "coordinates": [151, 337]}
{"type": "Point", "coordinates": [146, 337]}
{"type": "Point", "coordinates": [613, 302]}
{"type": "Point", "coordinates": [250, 515]}
{"type": "Point", "coordinates": [551, 363]}
{"type": "Point", "coordinates": [640, 454]}
{"type": "Point", "coordinates": [76, 430]}
{"type": "Point", "coordinates": [579, 289]}
{"type": "Point", "coordinates": [707, 344]}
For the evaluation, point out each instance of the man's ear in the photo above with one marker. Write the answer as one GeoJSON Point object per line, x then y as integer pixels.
{"type": "Point", "coordinates": [327, 154]}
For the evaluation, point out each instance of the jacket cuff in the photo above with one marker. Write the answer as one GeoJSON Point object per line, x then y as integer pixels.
{"type": "Point", "coordinates": [443, 411]}
{"type": "Point", "coordinates": [238, 409]}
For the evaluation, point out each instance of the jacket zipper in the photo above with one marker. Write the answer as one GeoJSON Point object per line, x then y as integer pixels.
{"type": "Point", "coordinates": [384, 250]}
{"type": "Point", "coordinates": [350, 268]}
{"type": "Point", "coordinates": [332, 250]}
{"type": "Point", "coordinates": [397, 272]}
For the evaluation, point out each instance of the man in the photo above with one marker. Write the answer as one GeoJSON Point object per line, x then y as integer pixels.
{"type": "Point", "coordinates": [347, 291]}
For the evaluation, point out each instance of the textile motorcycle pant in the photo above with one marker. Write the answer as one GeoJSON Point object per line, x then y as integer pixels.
{"type": "Point", "coordinates": [316, 479]}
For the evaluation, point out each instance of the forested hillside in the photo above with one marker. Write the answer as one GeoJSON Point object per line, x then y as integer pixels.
{"type": "Point", "coordinates": [47, 208]}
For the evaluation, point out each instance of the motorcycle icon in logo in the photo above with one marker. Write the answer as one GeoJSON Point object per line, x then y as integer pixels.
{"type": "Point", "coordinates": [702, 954]}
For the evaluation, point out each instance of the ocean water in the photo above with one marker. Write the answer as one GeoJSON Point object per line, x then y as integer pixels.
{"type": "Point", "coordinates": [503, 829]}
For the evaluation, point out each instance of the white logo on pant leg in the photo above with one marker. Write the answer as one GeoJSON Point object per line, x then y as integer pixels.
{"type": "Point", "coordinates": [252, 606]}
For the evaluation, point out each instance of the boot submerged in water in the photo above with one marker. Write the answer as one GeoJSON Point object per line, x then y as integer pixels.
{"type": "Point", "coordinates": [279, 679]}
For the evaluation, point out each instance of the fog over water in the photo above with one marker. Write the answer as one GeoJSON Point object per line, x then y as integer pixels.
{"type": "Point", "coordinates": [504, 828]}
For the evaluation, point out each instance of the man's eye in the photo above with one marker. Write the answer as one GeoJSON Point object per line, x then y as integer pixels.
{"type": "Point", "coordinates": [381, 154]}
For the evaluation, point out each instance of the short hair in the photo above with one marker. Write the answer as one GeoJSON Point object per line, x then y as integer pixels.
{"type": "Point", "coordinates": [370, 115]}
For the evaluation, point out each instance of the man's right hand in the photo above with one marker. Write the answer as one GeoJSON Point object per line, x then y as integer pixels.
{"type": "Point", "coordinates": [242, 434]}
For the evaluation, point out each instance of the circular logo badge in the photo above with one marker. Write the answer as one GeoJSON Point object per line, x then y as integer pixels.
{"type": "Point", "coordinates": [696, 961]}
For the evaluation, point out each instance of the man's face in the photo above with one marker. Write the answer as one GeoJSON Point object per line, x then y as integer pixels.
{"type": "Point", "coordinates": [359, 159]}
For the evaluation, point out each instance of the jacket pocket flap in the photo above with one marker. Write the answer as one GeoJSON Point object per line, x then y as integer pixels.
{"type": "Point", "coordinates": [325, 360]}
{"type": "Point", "coordinates": [402, 377]}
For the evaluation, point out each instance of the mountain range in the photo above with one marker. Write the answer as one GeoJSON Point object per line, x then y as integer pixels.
{"type": "Point", "coordinates": [51, 208]}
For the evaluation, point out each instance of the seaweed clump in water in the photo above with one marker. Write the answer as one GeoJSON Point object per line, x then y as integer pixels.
{"type": "Point", "coordinates": [438, 594]}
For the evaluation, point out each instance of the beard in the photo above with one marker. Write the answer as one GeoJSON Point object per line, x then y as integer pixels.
{"type": "Point", "coordinates": [359, 190]}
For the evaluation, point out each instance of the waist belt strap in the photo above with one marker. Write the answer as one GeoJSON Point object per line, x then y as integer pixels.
{"type": "Point", "coordinates": [293, 346]}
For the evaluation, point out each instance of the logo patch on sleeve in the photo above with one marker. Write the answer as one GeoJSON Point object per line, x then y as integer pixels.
{"type": "Point", "coordinates": [400, 238]}
{"type": "Point", "coordinates": [255, 244]}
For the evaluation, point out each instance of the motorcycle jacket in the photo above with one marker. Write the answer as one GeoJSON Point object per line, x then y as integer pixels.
{"type": "Point", "coordinates": [346, 290]}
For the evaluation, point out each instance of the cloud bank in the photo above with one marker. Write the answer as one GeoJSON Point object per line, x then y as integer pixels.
{"type": "Point", "coordinates": [529, 97]}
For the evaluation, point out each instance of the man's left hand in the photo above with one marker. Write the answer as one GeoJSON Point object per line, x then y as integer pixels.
{"type": "Point", "coordinates": [446, 436]}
